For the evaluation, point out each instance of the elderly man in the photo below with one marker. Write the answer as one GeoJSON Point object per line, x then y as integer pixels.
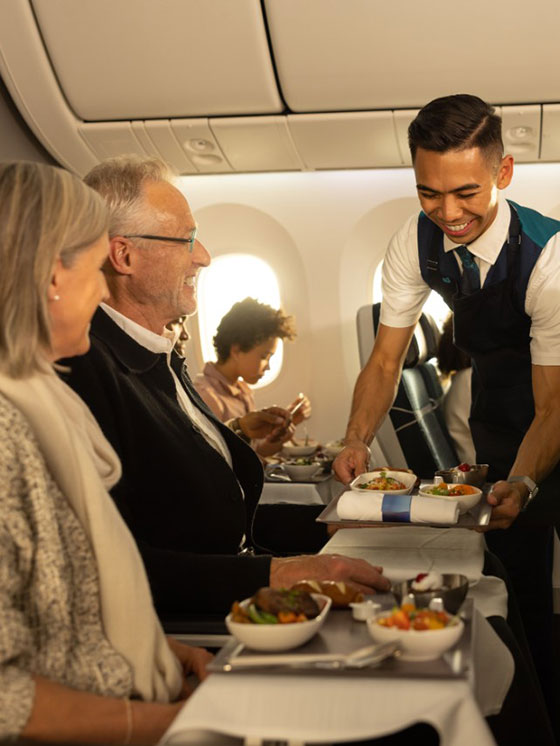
{"type": "Point", "coordinates": [190, 486]}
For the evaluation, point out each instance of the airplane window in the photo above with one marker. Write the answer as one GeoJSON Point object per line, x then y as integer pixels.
{"type": "Point", "coordinates": [435, 306]}
{"type": "Point", "coordinates": [231, 278]}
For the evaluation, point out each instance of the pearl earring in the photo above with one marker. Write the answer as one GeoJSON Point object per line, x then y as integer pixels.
{"type": "Point", "coordinates": [56, 297]}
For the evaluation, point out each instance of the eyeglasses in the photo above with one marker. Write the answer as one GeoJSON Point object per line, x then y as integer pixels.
{"type": "Point", "coordinates": [174, 239]}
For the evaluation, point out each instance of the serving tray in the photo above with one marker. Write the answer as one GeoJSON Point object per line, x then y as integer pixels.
{"type": "Point", "coordinates": [479, 515]}
{"type": "Point", "coordinates": [341, 634]}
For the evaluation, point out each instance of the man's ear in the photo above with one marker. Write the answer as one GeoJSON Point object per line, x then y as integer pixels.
{"type": "Point", "coordinates": [505, 172]}
{"type": "Point", "coordinates": [121, 255]}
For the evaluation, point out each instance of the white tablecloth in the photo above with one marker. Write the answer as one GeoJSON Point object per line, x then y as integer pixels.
{"type": "Point", "coordinates": [305, 709]}
{"type": "Point", "coordinates": [404, 551]}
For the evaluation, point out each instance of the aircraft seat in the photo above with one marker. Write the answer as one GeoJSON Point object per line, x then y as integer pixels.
{"type": "Point", "coordinates": [416, 418]}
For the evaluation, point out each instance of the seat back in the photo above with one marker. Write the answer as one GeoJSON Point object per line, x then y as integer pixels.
{"type": "Point", "coordinates": [415, 418]}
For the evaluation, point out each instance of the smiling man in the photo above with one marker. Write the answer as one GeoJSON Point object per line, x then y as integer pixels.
{"type": "Point", "coordinates": [497, 265]}
{"type": "Point", "coordinates": [190, 486]}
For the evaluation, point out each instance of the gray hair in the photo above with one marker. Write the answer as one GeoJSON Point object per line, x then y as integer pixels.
{"type": "Point", "coordinates": [45, 214]}
{"type": "Point", "coordinates": [120, 182]}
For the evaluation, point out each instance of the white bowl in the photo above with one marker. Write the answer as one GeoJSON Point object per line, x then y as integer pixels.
{"type": "Point", "coordinates": [333, 448]}
{"type": "Point", "coordinates": [415, 644]}
{"type": "Point", "coordinates": [299, 472]}
{"type": "Point", "coordinates": [276, 637]}
{"type": "Point", "coordinates": [465, 502]}
{"type": "Point", "coordinates": [292, 451]}
{"type": "Point", "coordinates": [405, 477]}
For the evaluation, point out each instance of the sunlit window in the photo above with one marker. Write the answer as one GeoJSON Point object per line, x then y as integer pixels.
{"type": "Point", "coordinates": [435, 306]}
{"type": "Point", "coordinates": [229, 279]}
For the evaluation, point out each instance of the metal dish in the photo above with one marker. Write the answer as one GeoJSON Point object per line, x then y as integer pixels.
{"type": "Point", "coordinates": [476, 476]}
{"type": "Point", "coordinates": [453, 592]}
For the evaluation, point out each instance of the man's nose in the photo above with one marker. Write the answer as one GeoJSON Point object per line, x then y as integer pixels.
{"type": "Point", "coordinates": [450, 209]}
{"type": "Point", "coordinates": [200, 254]}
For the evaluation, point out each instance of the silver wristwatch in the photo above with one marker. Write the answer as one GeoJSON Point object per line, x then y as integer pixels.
{"type": "Point", "coordinates": [533, 488]}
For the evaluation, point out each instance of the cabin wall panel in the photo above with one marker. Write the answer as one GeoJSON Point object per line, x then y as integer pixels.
{"type": "Point", "coordinates": [325, 233]}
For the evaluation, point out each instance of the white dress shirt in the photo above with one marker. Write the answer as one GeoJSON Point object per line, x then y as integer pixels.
{"type": "Point", "coordinates": [405, 292]}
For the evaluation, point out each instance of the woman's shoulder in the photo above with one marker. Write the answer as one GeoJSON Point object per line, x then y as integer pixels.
{"type": "Point", "coordinates": [13, 423]}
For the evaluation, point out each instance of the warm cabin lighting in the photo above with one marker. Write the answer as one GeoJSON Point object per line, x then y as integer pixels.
{"type": "Point", "coordinates": [230, 278]}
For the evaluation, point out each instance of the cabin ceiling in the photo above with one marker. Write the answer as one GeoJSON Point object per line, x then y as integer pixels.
{"type": "Point", "coordinates": [217, 86]}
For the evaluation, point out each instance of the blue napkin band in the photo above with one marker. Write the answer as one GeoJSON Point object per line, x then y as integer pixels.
{"type": "Point", "coordinates": [396, 508]}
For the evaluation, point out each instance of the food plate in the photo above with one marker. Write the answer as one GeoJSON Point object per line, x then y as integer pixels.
{"type": "Point", "coordinates": [477, 516]}
{"type": "Point", "coordinates": [340, 634]}
{"type": "Point", "coordinates": [403, 477]}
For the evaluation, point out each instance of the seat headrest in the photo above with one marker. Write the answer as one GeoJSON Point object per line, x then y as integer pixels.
{"type": "Point", "coordinates": [432, 335]}
{"type": "Point", "coordinates": [423, 345]}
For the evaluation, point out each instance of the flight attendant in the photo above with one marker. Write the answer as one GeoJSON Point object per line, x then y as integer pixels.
{"type": "Point", "coordinates": [497, 265]}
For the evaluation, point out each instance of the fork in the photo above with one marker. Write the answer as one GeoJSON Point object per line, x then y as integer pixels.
{"type": "Point", "coordinates": [360, 658]}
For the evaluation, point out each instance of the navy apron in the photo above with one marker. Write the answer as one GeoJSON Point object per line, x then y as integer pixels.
{"type": "Point", "coordinates": [491, 326]}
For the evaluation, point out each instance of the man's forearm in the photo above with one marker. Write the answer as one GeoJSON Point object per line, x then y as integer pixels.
{"type": "Point", "coordinates": [374, 393]}
{"type": "Point", "coordinates": [539, 451]}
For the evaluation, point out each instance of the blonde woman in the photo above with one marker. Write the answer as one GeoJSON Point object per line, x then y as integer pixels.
{"type": "Point", "coordinates": [83, 658]}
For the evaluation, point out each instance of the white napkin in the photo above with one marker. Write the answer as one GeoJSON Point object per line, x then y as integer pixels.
{"type": "Point", "coordinates": [370, 506]}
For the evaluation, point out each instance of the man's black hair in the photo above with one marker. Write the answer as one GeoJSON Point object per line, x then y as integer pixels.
{"type": "Point", "coordinates": [457, 122]}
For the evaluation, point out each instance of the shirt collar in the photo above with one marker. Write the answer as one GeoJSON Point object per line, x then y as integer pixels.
{"type": "Point", "coordinates": [235, 389]}
{"type": "Point", "coordinates": [488, 246]}
{"type": "Point", "coordinates": [158, 343]}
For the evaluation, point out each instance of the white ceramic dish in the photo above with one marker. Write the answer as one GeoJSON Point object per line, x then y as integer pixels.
{"type": "Point", "coordinates": [405, 477]}
{"type": "Point", "coordinates": [417, 645]}
{"type": "Point", "coordinates": [299, 472]}
{"type": "Point", "coordinates": [276, 637]}
{"type": "Point", "coordinates": [293, 451]}
{"type": "Point", "coordinates": [333, 448]}
{"type": "Point", "coordinates": [465, 502]}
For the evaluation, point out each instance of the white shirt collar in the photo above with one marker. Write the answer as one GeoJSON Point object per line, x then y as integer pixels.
{"type": "Point", "coordinates": [157, 343]}
{"type": "Point", "coordinates": [488, 246]}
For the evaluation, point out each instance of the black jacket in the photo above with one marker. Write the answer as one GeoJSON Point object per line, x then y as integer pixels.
{"type": "Point", "coordinates": [178, 496]}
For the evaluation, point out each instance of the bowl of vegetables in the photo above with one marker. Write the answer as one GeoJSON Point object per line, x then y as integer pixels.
{"type": "Point", "coordinates": [296, 448]}
{"type": "Point", "coordinates": [384, 480]}
{"type": "Point", "coordinates": [274, 619]}
{"type": "Point", "coordinates": [465, 495]}
{"type": "Point", "coordinates": [301, 469]}
{"type": "Point", "coordinates": [422, 634]}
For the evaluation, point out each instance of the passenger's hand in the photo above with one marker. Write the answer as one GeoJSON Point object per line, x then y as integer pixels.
{"type": "Point", "coordinates": [275, 440]}
{"type": "Point", "coordinates": [192, 660]}
{"type": "Point", "coordinates": [508, 499]}
{"type": "Point", "coordinates": [304, 412]}
{"type": "Point", "coordinates": [358, 573]}
{"type": "Point", "coordinates": [352, 461]}
{"type": "Point", "coordinates": [263, 422]}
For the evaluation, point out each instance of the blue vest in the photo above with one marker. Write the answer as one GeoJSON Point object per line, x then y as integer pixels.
{"type": "Point", "coordinates": [492, 327]}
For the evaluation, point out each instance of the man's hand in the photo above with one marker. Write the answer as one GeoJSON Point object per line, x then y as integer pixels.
{"type": "Point", "coordinates": [358, 573]}
{"type": "Point", "coordinates": [264, 422]}
{"type": "Point", "coordinates": [192, 660]}
{"type": "Point", "coordinates": [508, 499]}
{"type": "Point", "coordinates": [352, 461]}
{"type": "Point", "coordinates": [303, 412]}
{"type": "Point", "coordinates": [275, 440]}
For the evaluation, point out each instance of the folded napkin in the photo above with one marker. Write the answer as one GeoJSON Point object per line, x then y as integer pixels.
{"type": "Point", "coordinates": [375, 506]}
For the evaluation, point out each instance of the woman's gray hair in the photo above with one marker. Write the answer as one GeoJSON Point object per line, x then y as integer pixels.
{"type": "Point", "coordinates": [120, 182]}
{"type": "Point", "coordinates": [45, 213]}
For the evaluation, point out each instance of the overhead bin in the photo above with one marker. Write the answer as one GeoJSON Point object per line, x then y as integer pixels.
{"type": "Point", "coordinates": [194, 81]}
{"type": "Point", "coordinates": [342, 55]}
{"type": "Point", "coordinates": [153, 59]}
